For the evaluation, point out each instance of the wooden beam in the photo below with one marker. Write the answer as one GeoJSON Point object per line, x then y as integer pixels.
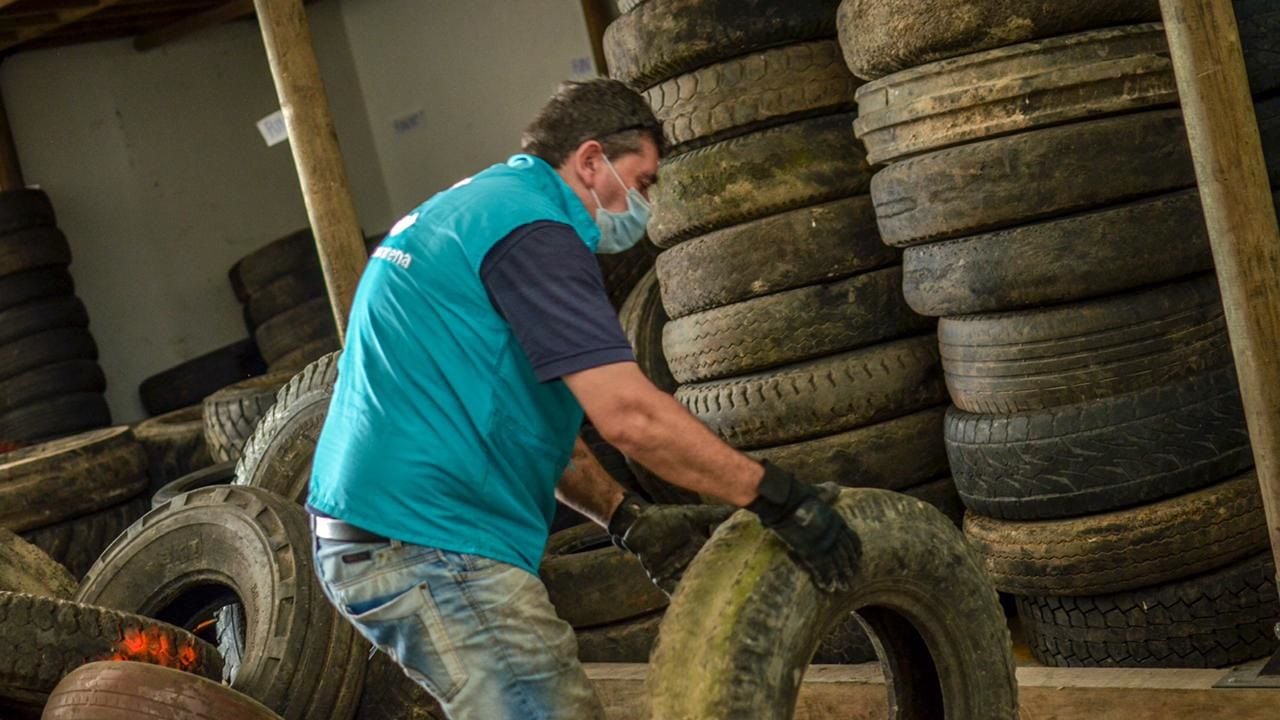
{"type": "Point", "coordinates": [10, 168]}
{"type": "Point", "coordinates": [857, 692]}
{"type": "Point", "coordinates": [1208, 62]}
{"type": "Point", "coordinates": [65, 17]}
{"type": "Point", "coordinates": [216, 15]}
{"type": "Point", "coordinates": [315, 150]}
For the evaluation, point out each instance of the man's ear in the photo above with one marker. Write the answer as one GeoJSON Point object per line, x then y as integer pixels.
{"type": "Point", "coordinates": [588, 161]}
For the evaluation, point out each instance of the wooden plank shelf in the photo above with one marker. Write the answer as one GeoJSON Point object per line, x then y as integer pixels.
{"type": "Point", "coordinates": [857, 692]}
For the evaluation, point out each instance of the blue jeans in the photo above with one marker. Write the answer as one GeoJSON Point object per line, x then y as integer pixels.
{"type": "Point", "coordinates": [481, 636]}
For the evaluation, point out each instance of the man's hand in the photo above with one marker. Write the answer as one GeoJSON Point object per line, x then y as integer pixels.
{"type": "Point", "coordinates": [665, 538]}
{"type": "Point", "coordinates": [803, 517]}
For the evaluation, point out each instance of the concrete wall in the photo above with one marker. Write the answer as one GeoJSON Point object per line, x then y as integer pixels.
{"type": "Point", "coordinates": [161, 180]}
{"type": "Point", "coordinates": [476, 70]}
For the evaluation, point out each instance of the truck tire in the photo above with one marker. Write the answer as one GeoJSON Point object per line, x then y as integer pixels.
{"type": "Point", "coordinates": [642, 319]}
{"type": "Point", "coordinates": [220, 474]}
{"type": "Point", "coordinates": [174, 443]}
{"type": "Point", "coordinates": [192, 381]}
{"type": "Point", "coordinates": [128, 690]}
{"type": "Point", "coordinates": [231, 414]}
{"type": "Point", "coordinates": [25, 568]}
{"type": "Point", "coordinates": [77, 542]}
{"type": "Point", "coordinates": [591, 582]}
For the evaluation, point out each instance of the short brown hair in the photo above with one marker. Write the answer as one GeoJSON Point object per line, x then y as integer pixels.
{"type": "Point", "coordinates": [600, 109]}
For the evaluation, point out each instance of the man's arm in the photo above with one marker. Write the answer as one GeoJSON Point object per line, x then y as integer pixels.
{"type": "Point", "coordinates": [588, 488]}
{"type": "Point", "coordinates": [652, 427]}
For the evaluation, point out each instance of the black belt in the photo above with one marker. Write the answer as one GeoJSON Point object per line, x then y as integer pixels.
{"type": "Point", "coordinates": [334, 529]}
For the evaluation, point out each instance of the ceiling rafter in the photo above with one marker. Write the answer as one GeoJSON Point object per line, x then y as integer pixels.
{"type": "Point", "coordinates": [63, 16]}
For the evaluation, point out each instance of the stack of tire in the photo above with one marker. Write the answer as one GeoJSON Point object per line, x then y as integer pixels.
{"type": "Point", "coordinates": [1040, 183]}
{"type": "Point", "coordinates": [788, 334]}
{"type": "Point", "coordinates": [70, 497]}
{"type": "Point", "coordinates": [53, 648]}
{"type": "Point", "coordinates": [286, 305]}
{"type": "Point", "coordinates": [50, 382]}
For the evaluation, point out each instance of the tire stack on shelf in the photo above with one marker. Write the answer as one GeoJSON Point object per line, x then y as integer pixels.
{"type": "Point", "coordinates": [1041, 186]}
{"type": "Point", "coordinates": [788, 335]}
{"type": "Point", "coordinates": [50, 381]}
{"type": "Point", "coordinates": [286, 306]}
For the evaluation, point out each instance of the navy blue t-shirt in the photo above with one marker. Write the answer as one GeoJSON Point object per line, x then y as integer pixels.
{"type": "Point", "coordinates": [547, 284]}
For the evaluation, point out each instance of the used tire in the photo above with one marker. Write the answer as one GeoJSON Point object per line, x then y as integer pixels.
{"type": "Point", "coordinates": [77, 542]}
{"type": "Point", "coordinates": [255, 271]}
{"type": "Point", "coordinates": [1099, 456]}
{"type": "Point", "coordinates": [294, 328]}
{"type": "Point", "coordinates": [46, 348]}
{"type": "Point", "coordinates": [45, 639]}
{"type": "Point", "coordinates": [940, 632]}
{"type": "Point", "coordinates": [790, 326]}
{"type": "Point", "coordinates": [41, 383]}
{"type": "Point", "coordinates": [1031, 176]}
{"type": "Point", "coordinates": [751, 92]}
{"type": "Point", "coordinates": [174, 443]}
{"type": "Point", "coordinates": [882, 36]}
{"type": "Point", "coordinates": [24, 208]}
{"type": "Point", "coordinates": [43, 484]}
{"type": "Point", "coordinates": [296, 360]}
{"type": "Point", "coordinates": [284, 293]}
{"type": "Point", "coordinates": [37, 284]}
{"type": "Point", "coordinates": [629, 641]}
{"type": "Point", "coordinates": [820, 397]}
{"type": "Point", "coordinates": [755, 175]}
{"type": "Point", "coordinates": [812, 245]}
{"type": "Point", "coordinates": [892, 455]}
{"type": "Point", "coordinates": [231, 413]}
{"type": "Point", "coordinates": [219, 545]}
{"type": "Point", "coordinates": [31, 248]}
{"type": "Point", "coordinates": [1072, 258]}
{"type": "Point", "coordinates": [623, 271]}
{"type": "Point", "coordinates": [591, 582]}
{"type": "Point", "coordinates": [1126, 549]}
{"type": "Point", "coordinates": [278, 455]}
{"type": "Point", "coordinates": [1215, 620]}
{"type": "Point", "coordinates": [56, 417]}
{"type": "Point", "coordinates": [1079, 352]}
{"type": "Point", "coordinates": [1016, 88]}
{"type": "Point", "coordinates": [40, 315]}
{"type": "Point", "coordinates": [661, 39]}
{"type": "Point", "coordinates": [25, 568]}
{"type": "Point", "coordinates": [128, 690]}
{"type": "Point", "coordinates": [221, 474]}
{"type": "Point", "coordinates": [192, 381]}
{"type": "Point", "coordinates": [642, 319]}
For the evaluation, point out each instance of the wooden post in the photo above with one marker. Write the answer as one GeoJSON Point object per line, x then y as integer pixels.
{"type": "Point", "coordinates": [10, 169]}
{"type": "Point", "coordinates": [598, 14]}
{"type": "Point", "coordinates": [315, 150]}
{"type": "Point", "coordinates": [1207, 59]}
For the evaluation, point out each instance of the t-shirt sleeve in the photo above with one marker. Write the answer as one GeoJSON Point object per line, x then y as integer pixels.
{"type": "Point", "coordinates": [547, 284]}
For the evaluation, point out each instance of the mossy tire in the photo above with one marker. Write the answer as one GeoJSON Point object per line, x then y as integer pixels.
{"type": "Point", "coordinates": [939, 629]}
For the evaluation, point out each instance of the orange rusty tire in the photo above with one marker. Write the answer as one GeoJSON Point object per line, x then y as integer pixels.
{"type": "Point", "coordinates": [128, 690]}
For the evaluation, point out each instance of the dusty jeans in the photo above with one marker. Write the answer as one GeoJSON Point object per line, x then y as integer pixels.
{"type": "Point", "coordinates": [479, 635]}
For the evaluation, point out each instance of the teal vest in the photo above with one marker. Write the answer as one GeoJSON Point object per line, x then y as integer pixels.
{"type": "Point", "coordinates": [438, 433]}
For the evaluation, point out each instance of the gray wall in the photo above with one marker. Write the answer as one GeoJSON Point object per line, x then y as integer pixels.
{"type": "Point", "coordinates": [161, 180]}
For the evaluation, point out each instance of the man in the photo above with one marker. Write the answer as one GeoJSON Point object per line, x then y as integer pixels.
{"type": "Point", "coordinates": [480, 333]}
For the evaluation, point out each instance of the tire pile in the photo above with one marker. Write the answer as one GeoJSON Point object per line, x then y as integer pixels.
{"type": "Point", "coordinates": [286, 306]}
{"type": "Point", "coordinates": [221, 572]}
{"type": "Point", "coordinates": [787, 330]}
{"type": "Point", "coordinates": [1039, 182]}
{"type": "Point", "coordinates": [50, 381]}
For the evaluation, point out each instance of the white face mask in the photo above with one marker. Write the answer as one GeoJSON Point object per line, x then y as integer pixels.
{"type": "Point", "coordinates": [620, 231]}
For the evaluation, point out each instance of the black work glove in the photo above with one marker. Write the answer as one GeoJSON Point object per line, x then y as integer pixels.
{"type": "Point", "coordinates": [803, 517]}
{"type": "Point", "coordinates": [665, 538]}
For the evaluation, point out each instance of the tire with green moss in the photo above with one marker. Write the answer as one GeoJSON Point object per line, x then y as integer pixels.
{"type": "Point", "coordinates": [807, 246]}
{"type": "Point", "coordinates": [749, 177]}
{"type": "Point", "coordinates": [790, 326]}
{"type": "Point", "coordinates": [752, 92]}
{"type": "Point", "coordinates": [938, 626]}
{"type": "Point", "coordinates": [820, 397]}
{"type": "Point", "coordinates": [660, 39]}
